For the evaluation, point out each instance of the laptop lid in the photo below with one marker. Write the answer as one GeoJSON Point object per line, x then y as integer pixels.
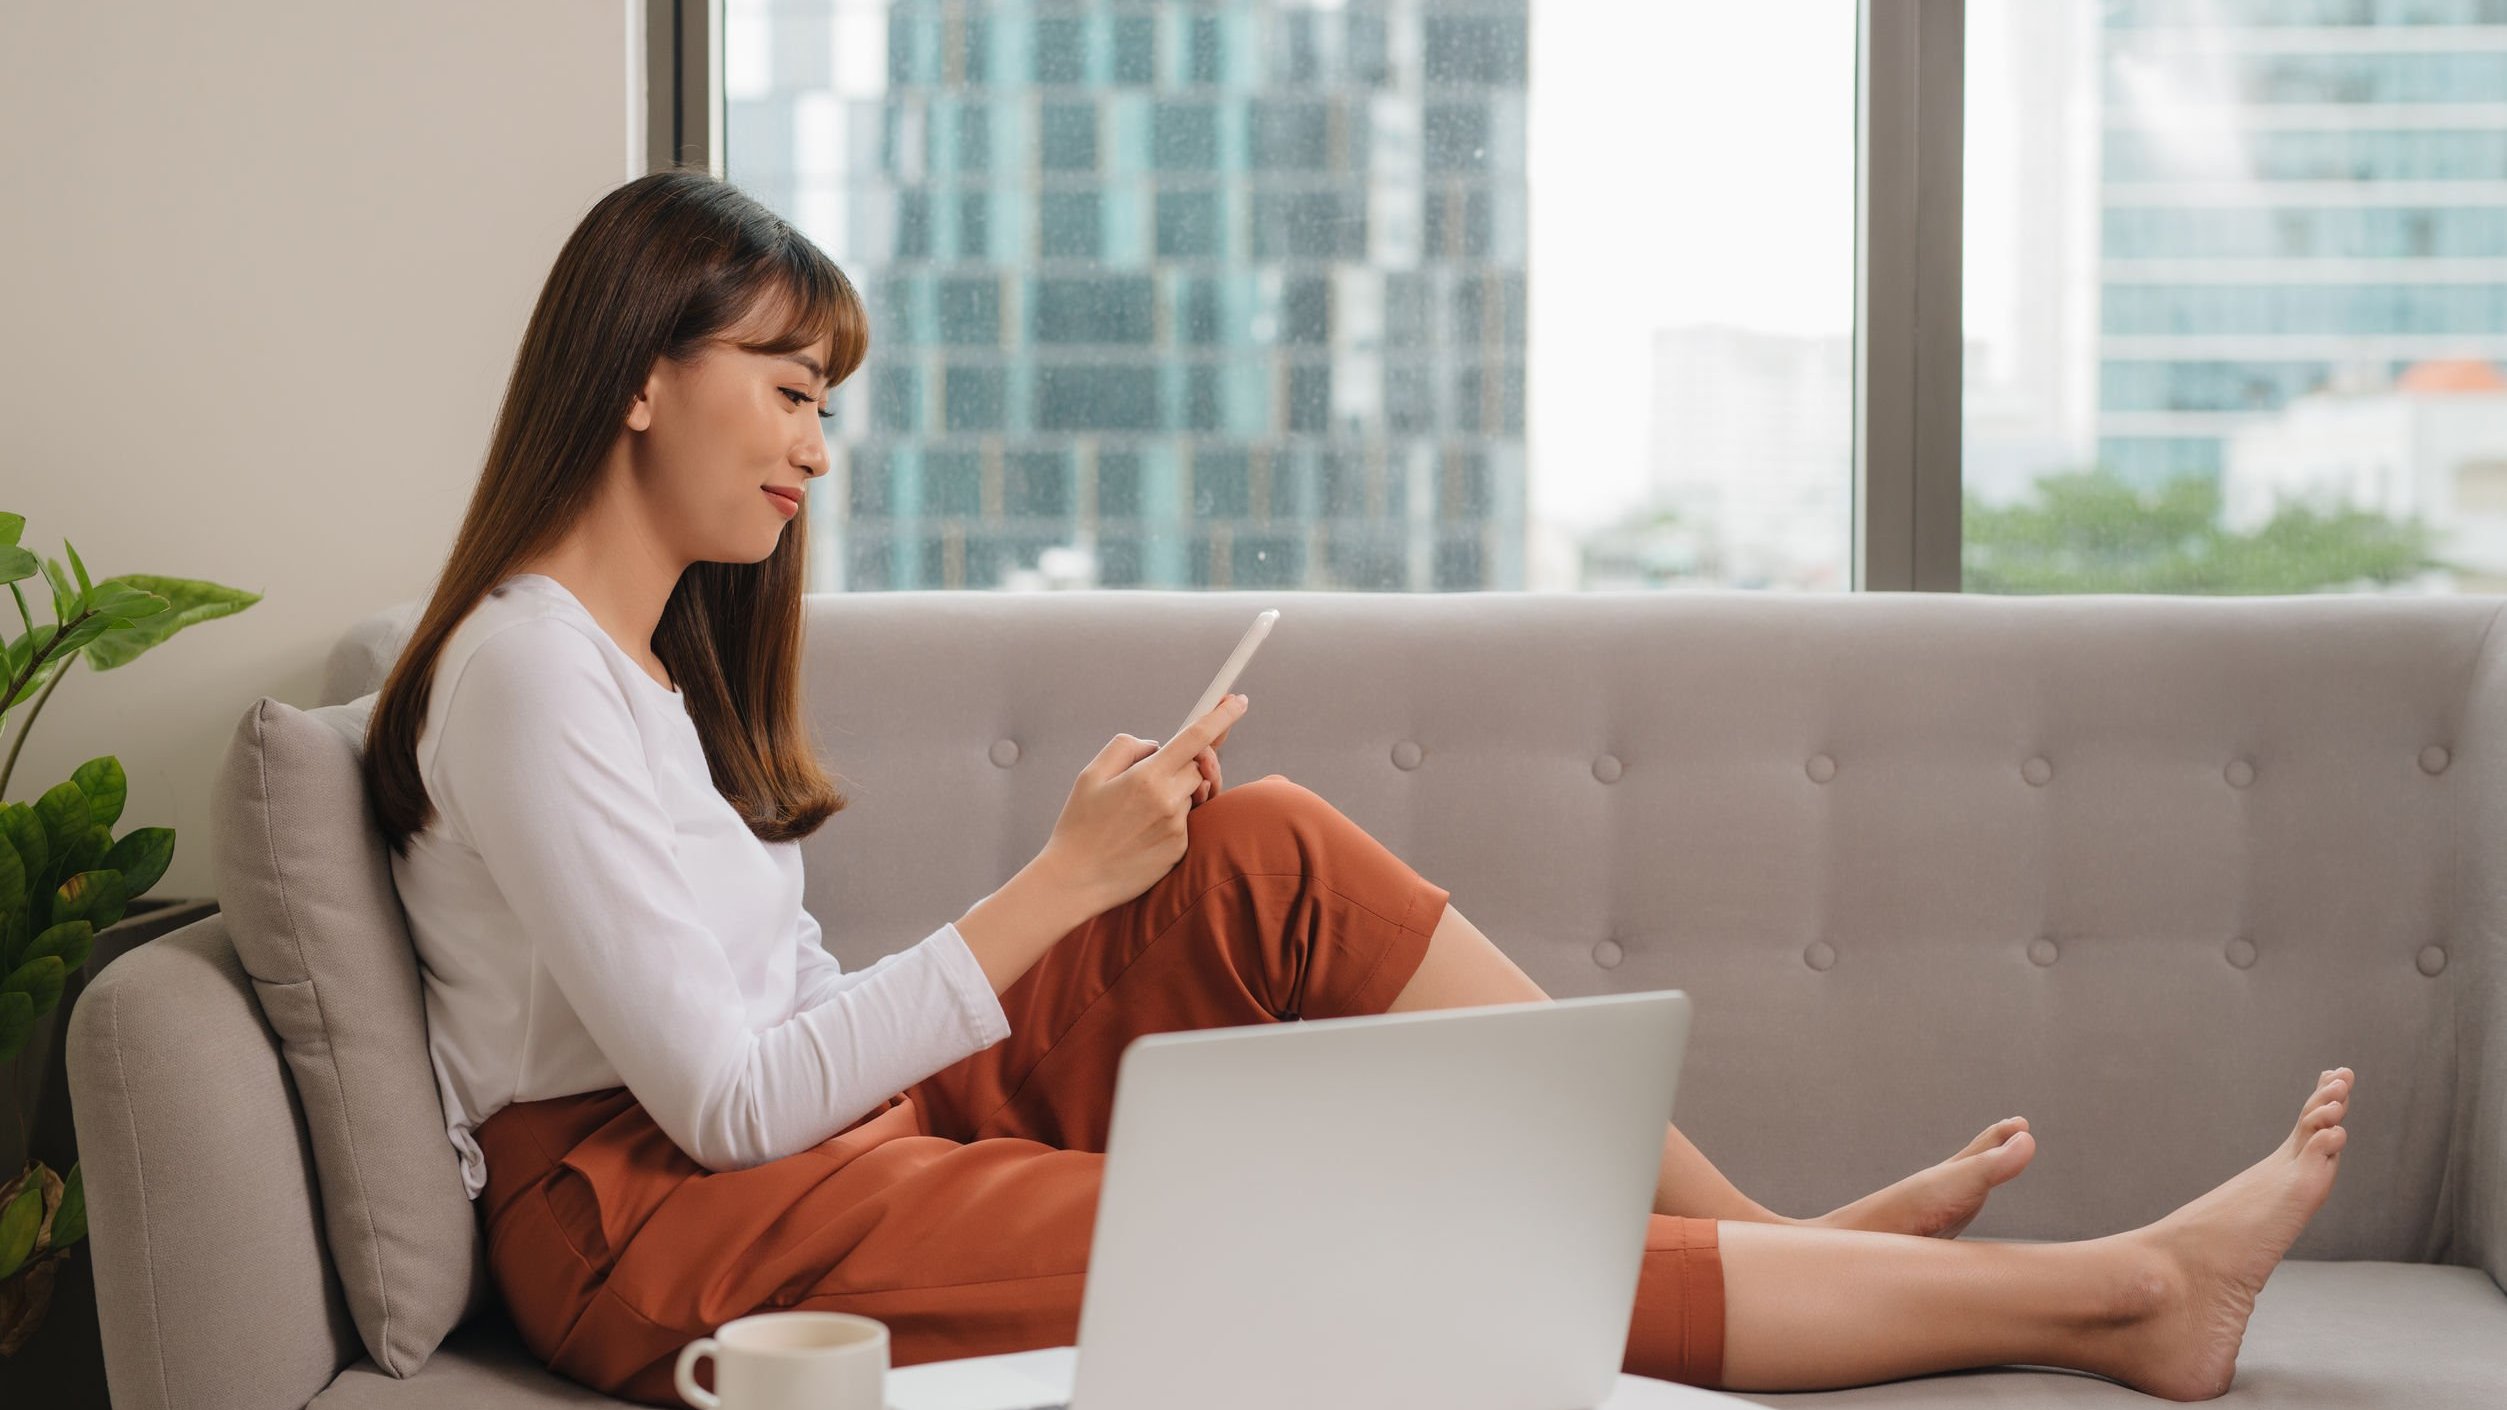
{"type": "Point", "coordinates": [1443, 1208]}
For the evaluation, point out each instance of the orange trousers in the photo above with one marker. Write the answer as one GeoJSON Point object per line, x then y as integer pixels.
{"type": "Point", "coordinates": [960, 1212]}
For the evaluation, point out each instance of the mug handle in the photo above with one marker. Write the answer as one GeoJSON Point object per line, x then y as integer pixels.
{"type": "Point", "coordinates": [695, 1394]}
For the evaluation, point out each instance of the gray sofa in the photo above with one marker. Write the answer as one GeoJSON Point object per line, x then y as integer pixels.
{"type": "Point", "coordinates": [2136, 868]}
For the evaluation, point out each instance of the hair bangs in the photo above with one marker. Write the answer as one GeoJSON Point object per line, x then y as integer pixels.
{"type": "Point", "coordinates": [821, 309]}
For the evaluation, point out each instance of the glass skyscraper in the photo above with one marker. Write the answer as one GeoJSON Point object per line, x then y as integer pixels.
{"type": "Point", "coordinates": [2295, 194]}
{"type": "Point", "coordinates": [1186, 294]}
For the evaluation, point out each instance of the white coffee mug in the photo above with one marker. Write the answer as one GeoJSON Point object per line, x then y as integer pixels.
{"type": "Point", "coordinates": [791, 1361]}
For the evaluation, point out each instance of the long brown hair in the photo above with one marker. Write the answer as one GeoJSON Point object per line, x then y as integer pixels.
{"type": "Point", "coordinates": [658, 267]}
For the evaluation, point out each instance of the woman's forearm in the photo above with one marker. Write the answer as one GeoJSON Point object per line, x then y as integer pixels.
{"type": "Point", "coordinates": [1011, 929]}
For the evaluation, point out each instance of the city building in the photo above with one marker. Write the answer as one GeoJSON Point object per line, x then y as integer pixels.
{"type": "Point", "coordinates": [2294, 193]}
{"type": "Point", "coordinates": [2431, 447]}
{"type": "Point", "coordinates": [1207, 295]}
{"type": "Point", "coordinates": [1751, 464]}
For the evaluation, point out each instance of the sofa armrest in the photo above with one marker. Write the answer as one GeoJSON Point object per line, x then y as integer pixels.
{"type": "Point", "coordinates": [2476, 1175]}
{"type": "Point", "coordinates": [212, 1284]}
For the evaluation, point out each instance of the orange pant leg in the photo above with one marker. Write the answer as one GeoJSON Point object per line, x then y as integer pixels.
{"type": "Point", "coordinates": [1282, 908]}
{"type": "Point", "coordinates": [961, 1213]}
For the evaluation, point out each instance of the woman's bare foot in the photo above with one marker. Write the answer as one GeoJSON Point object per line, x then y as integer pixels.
{"type": "Point", "coordinates": [2196, 1272]}
{"type": "Point", "coordinates": [1940, 1200]}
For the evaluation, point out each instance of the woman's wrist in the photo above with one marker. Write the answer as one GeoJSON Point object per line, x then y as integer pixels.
{"type": "Point", "coordinates": [1011, 929]}
{"type": "Point", "coordinates": [1077, 898]}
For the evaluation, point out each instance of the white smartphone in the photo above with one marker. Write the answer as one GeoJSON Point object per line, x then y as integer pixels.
{"type": "Point", "coordinates": [1226, 678]}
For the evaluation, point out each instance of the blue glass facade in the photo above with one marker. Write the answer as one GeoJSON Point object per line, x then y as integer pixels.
{"type": "Point", "coordinates": [1230, 291]}
{"type": "Point", "coordinates": [2292, 191]}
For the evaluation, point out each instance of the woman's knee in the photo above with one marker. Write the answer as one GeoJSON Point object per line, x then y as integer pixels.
{"type": "Point", "coordinates": [1267, 804]}
{"type": "Point", "coordinates": [1272, 824]}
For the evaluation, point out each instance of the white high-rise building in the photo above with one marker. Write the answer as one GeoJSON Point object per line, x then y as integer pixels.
{"type": "Point", "coordinates": [2433, 447]}
{"type": "Point", "coordinates": [1752, 447]}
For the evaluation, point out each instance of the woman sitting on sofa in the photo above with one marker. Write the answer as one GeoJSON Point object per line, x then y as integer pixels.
{"type": "Point", "coordinates": [674, 1107]}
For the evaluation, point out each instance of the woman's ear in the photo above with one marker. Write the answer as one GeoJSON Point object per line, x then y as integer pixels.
{"type": "Point", "coordinates": [640, 411]}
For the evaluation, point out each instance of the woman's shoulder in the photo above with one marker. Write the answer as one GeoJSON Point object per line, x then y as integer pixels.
{"type": "Point", "coordinates": [525, 659]}
{"type": "Point", "coordinates": [523, 637]}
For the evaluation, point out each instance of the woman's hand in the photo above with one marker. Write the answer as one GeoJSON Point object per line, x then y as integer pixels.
{"type": "Point", "coordinates": [1208, 762]}
{"type": "Point", "coordinates": [1122, 827]}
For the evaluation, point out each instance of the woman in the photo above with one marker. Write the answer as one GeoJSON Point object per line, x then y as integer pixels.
{"type": "Point", "coordinates": [675, 1108]}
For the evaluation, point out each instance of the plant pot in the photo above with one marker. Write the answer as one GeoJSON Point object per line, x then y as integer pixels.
{"type": "Point", "coordinates": [63, 1364]}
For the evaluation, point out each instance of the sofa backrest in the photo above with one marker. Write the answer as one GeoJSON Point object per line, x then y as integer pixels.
{"type": "Point", "coordinates": [2137, 868]}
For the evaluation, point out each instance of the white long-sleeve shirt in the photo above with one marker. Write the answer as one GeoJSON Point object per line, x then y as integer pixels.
{"type": "Point", "coordinates": [590, 912]}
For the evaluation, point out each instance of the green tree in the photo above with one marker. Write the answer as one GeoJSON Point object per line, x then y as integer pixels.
{"type": "Point", "coordinates": [2090, 531]}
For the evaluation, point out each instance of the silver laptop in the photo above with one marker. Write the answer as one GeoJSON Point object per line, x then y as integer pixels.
{"type": "Point", "coordinates": [1441, 1208]}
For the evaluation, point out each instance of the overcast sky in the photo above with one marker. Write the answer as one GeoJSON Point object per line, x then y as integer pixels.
{"type": "Point", "coordinates": [1689, 163]}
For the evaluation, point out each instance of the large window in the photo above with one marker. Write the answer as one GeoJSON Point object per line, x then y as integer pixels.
{"type": "Point", "coordinates": [1245, 293]}
{"type": "Point", "coordinates": [2235, 295]}
{"type": "Point", "coordinates": [1432, 295]}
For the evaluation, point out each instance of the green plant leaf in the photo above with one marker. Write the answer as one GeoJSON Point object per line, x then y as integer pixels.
{"type": "Point", "coordinates": [77, 567]}
{"type": "Point", "coordinates": [27, 648]}
{"type": "Point", "coordinates": [140, 856]}
{"type": "Point", "coordinates": [64, 597]}
{"type": "Point", "coordinates": [69, 1217]}
{"type": "Point", "coordinates": [92, 896]}
{"type": "Point", "coordinates": [70, 942]}
{"type": "Point", "coordinates": [17, 1019]}
{"type": "Point", "coordinates": [192, 601]}
{"type": "Point", "coordinates": [24, 616]}
{"type": "Point", "coordinates": [34, 683]}
{"type": "Point", "coordinates": [12, 903]}
{"type": "Point", "coordinates": [124, 603]}
{"type": "Point", "coordinates": [11, 525]}
{"type": "Point", "coordinates": [39, 980]}
{"type": "Point", "coordinates": [16, 564]}
{"type": "Point", "coordinates": [26, 833]}
{"type": "Point", "coordinates": [90, 626]}
{"type": "Point", "coordinates": [63, 809]}
{"type": "Point", "coordinates": [106, 787]}
{"type": "Point", "coordinates": [18, 1224]}
{"type": "Point", "coordinates": [87, 853]}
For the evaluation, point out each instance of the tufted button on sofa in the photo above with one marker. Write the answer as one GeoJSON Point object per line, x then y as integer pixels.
{"type": "Point", "coordinates": [2137, 868]}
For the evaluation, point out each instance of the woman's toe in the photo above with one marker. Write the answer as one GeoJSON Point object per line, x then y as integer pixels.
{"type": "Point", "coordinates": [2011, 1157]}
{"type": "Point", "coordinates": [1993, 1135]}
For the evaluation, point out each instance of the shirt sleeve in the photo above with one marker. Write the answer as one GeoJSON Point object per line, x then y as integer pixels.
{"type": "Point", "coordinates": [818, 976]}
{"type": "Point", "coordinates": [541, 767]}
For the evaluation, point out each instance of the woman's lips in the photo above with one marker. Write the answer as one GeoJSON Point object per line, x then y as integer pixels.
{"type": "Point", "coordinates": [787, 500]}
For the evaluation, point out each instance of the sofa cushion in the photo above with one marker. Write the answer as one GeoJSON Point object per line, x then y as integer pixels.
{"type": "Point", "coordinates": [2326, 1335]}
{"type": "Point", "coordinates": [306, 886]}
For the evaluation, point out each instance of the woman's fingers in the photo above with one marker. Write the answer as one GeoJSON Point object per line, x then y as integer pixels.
{"type": "Point", "coordinates": [1207, 761]}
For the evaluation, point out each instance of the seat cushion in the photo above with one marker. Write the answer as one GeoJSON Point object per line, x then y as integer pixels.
{"type": "Point", "coordinates": [306, 887]}
{"type": "Point", "coordinates": [2324, 1336]}
{"type": "Point", "coordinates": [482, 1366]}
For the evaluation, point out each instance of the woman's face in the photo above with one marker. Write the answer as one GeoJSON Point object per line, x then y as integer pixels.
{"type": "Point", "coordinates": [717, 437]}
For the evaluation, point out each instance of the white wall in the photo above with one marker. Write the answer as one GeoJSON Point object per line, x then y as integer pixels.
{"type": "Point", "coordinates": [263, 268]}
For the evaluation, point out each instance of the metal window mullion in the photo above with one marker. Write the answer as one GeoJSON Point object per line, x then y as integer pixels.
{"type": "Point", "coordinates": [1910, 85]}
{"type": "Point", "coordinates": [683, 85]}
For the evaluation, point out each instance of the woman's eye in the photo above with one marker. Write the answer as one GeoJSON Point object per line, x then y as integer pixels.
{"type": "Point", "coordinates": [825, 413]}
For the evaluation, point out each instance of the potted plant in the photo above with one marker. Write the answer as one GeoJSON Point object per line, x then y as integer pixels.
{"type": "Point", "coordinates": [65, 878]}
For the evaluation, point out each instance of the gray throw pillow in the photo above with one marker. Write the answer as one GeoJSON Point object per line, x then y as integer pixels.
{"type": "Point", "coordinates": [305, 885]}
